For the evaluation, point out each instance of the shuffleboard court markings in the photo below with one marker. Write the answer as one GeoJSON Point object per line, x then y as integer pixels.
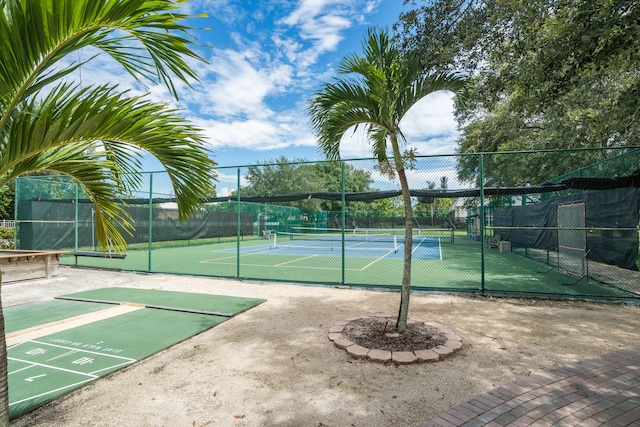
{"type": "Point", "coordinates": [15, 366]}
{"type": "Point", "coordinates": [80, 358]}
{"type": "Point", "coordinates": [40, 385]}
{"type": "Point", "coordinates": [46, 368]}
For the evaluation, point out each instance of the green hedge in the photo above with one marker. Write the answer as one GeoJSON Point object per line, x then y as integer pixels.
{"type": "Point", "coordinates": [6, 238]}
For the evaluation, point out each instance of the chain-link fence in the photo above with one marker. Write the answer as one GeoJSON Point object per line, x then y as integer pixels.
{"type": "Point", "coordinates": [344, 223]}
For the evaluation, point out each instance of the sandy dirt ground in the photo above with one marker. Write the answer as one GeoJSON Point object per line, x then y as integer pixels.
{"type": "Point", "coordinates": [274, 366]}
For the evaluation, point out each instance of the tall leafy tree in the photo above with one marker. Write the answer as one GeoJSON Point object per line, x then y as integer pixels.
{"type": "Point", "coordinates": [94, 134]}
{"type": "Point", "coordinates": [283, 176]}
{"type": "Point", "coordinates": [546, 75]}
{"type": "Point", "coordinates": [375, 91]}
{"type": "Point", "coordinates": [7, 201]}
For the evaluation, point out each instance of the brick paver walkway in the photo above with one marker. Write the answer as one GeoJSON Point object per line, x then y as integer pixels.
{"type": "Point", "coordinates": [597, 392]}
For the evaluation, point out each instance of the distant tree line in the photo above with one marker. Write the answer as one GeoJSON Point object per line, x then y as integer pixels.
{"type": "Point", "coordinates": [285, 176]}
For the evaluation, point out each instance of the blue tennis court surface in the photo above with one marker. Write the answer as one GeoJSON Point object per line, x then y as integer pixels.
{"type": "Point", "coordinates": [423, 248]}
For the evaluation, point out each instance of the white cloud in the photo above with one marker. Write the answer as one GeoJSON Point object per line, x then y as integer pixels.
{"type": "Point", "coordinates": [236, 85]}
{"type": "Point", "coordinates": [255, 134]}
{"type": "Point", "coordinates": [431, 116]}
{"type": "Point", "coordinates": [429, 126]}
{"type": "Point", "coordinates": [224, 10]}
{"type": "Point", "coordinates": [98, 71]}
{"type": "Point", "coordinates": [226, 175]}
{"type": "Point", "coordinates": [252, 92]}
{"type": "Point", "coordinates": [436, 145]}
{"type": "Point", "coordinates": [427, 170]}
{"type": "Point", "coordinates": [225, 191]}
{"type": "Point", "coordinates": [433, 173]}
{"type": "Point", "coordinates": [320, 23]}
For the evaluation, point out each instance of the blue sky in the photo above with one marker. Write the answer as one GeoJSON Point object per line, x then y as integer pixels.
{"type": "Point", "coordinates": [267, 58]}
{"type": "Point", "coordinates": [264, 60]}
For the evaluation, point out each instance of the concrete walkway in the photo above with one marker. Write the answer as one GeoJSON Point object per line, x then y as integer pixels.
{"type": "Point", "coordinates": [596, 392]}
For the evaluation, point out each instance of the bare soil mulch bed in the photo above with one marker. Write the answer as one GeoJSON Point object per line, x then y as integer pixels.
{"type": "Point", "coordinates": [378, 333]}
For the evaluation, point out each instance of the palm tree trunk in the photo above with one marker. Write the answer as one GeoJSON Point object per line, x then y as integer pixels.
{"type": "Point", "coordinates": [405, 290]}
{"type": "Point", "coordinates": [4, 381]}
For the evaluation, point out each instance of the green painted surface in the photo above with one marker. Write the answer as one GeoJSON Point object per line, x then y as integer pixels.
{"type": "Point", "coordinates": [43, 369]}
{"type": "Point", "coordinates": [176, 300]}
{"type": "Point", "coordinates": [29, 315]}
{"type": "Point", "coordinates": [458, 270]}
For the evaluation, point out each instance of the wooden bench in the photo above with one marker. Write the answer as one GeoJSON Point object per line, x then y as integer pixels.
{"type": "Point", "coordinates": [99, 255]}
{"type": "Point", "coordinates": [494, 242]}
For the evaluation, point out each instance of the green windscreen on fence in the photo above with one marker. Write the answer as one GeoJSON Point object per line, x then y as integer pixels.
{"type": "Point", "coordinates": [343, 222]}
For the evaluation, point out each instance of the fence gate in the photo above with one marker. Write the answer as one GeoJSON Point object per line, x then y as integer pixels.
{"type": "Point", "coordinates": [572, 239]}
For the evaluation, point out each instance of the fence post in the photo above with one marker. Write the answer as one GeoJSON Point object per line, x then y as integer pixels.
{"type": "Point", "coordinates": [150, 247]}
{"type": "Point", "coordinates": [482, 222]}
{"type": "Point", "coordinates": [76, 221]}
{"type": "Point", "coordinates": [16, 197]}
{"type": "Point", "coordinates": [343, 213]}
{"type": "Point", "coordinates": [238, 228]}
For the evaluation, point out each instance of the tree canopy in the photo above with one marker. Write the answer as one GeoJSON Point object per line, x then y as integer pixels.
{"type": "Point", "coordinates": [545, 75]}
{"type": "Point", "coordinates": [284, 176]}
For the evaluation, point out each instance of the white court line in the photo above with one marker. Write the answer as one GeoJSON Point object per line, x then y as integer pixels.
{"type": "Point", "coordinates": [439, 247]}
{"type": "Point", "coordinates": [84, 351]}
{"type": "Point", "coordinates": [68, 353]}
{"type": "Point", "coordinates": [233, 256]}
{"type": "Point", "coordinates": [396, 250]}
{"type": "Point", "coordinates": [376, 260]}
{"type": "Point", "coordinates": [207, 261]}
{"type": "Point", "coordinates": [21, 369]}
{"type": "Point", "coordinates": [295, 260]}
{"type": "Point", "coordinates": [52, 391]}
{"type": "Point", "coordinates": [307, 267]}
{"type": "Point", "coordinates": [112, 367]}
{"type": "Point", "coordinates": [55, 368]}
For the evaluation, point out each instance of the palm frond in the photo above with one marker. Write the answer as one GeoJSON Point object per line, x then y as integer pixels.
{"type": "Point", "coordinates": [36, 34]}
{"type": "Point", "coordinates": [377, 90]}
{"type": "Point", "coordinates": [94, 173]}
{"type": "Point", "coordinates": [119, 127]}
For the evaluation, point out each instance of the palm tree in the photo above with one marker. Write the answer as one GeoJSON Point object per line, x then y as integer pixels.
{"type": "Point", "coordinates": [95, 134]}
{"type": "Point", "coordinates": [376, 93]}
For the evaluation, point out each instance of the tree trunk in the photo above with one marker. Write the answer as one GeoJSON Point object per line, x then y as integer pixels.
{"type": "Point", "coordinates": [405, 290]}
{"type": "Point", "coordinates": [4, 381]}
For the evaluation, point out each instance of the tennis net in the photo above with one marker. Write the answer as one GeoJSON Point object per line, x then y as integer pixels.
{"type": "Point", "coordinates": [394, 236]}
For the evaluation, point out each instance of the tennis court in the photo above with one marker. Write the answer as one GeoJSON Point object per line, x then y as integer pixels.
{"type": "Point", "coordinates": [557, 230]}
{"type": "Point", "coordinates": [440, 262]}
{"type": "Point", "coordinates": [57, 346]}
{"type": "Point", "coordinates": [364, 243]}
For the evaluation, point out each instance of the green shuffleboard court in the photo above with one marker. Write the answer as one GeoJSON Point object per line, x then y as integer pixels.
{"type": "Point", "coordinates": [43, 368]}
{"type": "Point", "coordinates": [170, 300]}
